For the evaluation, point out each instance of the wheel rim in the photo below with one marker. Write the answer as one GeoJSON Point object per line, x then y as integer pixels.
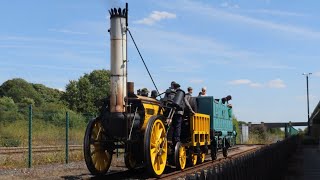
{"type": "Point", "coordinates": [194, 158]}
{"type": "Point", "coordinates": [182, 157]}
{"type": "Point", "coordinates": [202, 157]}
{"type": "Point", "coordinates": [130, 160]}
{"type": "Point", "coordinates": [101, 158]}
{"type": "Point", "coordinates": [158, 147]}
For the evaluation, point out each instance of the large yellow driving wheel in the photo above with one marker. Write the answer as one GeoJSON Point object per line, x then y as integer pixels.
{"type": "Point", "coordinates": [155, 144]}
{"type": "Point", "coordinates": [180, 156]}
{"type": "Point", "coordinates": [97, 157]}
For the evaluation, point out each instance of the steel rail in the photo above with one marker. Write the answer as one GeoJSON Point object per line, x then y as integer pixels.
{"type": "Point", "coordinates": [37, 149]}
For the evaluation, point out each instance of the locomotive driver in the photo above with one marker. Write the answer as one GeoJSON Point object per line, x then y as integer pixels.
{"type": "Point", "coordinates": [177, 117]}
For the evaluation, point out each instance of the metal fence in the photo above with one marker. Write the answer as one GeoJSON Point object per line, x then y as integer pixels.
{"type": "Point", "coordinates": [269, 162]}
{"type": "Point", "coordinates": [36, 132]}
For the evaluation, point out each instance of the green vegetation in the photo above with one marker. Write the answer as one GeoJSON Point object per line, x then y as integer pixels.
{"type": "Point", "coordinates": [260, 135]}
{"type": "Point", "coordinates": [236, 127]}
{"type": "Point", "coordinates": [82, 98]}
{"type": "Point", "coordinates": [86, 94]}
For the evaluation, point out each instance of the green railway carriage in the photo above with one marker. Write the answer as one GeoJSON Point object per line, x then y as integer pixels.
{"type": "Point", "coordinates": [222, 132]}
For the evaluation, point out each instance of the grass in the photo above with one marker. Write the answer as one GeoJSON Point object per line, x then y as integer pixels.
{"type": "Point", "coordinates": [269, 138]}
{"type": "Point", "coordinates": [43, 134]}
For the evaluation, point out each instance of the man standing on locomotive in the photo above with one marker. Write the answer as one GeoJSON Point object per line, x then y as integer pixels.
{"type": "Point", "coordinates": [178, 117]}
{"type": "Point", "coordinates": [189, 94]}
{"type": "Point", "coordinates": [203, 92]}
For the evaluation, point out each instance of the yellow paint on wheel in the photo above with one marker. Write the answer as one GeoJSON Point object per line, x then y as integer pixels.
{"type": "Point", "coordinates": [202, 157]}
{"type": "Point", "coordinates": [194, 159]}
{"type": "Point", "coordinates": [100, 157]}
{"type": "Point", "coordinates": [182, 157]}
{"type": "Point", "coordinates": [158, 147]}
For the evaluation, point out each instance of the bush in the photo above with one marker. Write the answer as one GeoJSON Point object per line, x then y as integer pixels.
{"type": "Point", "coordinates": [9, 141]}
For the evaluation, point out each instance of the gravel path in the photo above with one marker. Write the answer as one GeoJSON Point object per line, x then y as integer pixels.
{"type": "Point", "coordinates": [72, 171]}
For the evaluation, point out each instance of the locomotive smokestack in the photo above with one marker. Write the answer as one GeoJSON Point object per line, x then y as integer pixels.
{"type": "Point", "coordinates": [118, 58]}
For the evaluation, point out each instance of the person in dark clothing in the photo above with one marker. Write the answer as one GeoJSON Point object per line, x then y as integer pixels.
{"type": "Point", "coordinates": [154, 94]}
{"type": "Point", "coordinates": [178, 117]}
{"type": "Point", "coordinates": [227, 99]}
{"type": "Point", "coordinates": [189, 94]}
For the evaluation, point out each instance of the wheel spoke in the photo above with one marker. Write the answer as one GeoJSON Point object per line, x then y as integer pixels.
{"type": "Point", "coordinates": [158, 163]}
{"type": "Point", "coordinates": [160, 134]}
{"type": "Point", "coordinates": [153, 158]}
{"type": "Point", "coordinates": [153, 136]}
{"type": "Point", "coordinates": [93, 152]}
{"type": "Point", "coordinates": [164, 150]}
{"type": "Point", "coordinates": [153, 144]}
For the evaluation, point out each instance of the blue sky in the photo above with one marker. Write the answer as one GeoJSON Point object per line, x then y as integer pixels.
{"type": "Point", "coordinates": [254, 50]}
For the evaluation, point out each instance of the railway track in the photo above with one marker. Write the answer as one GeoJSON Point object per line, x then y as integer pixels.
{"type": "Point", "coordinates": [37, 149]}
{"type": "Point", "coordinates": [207, 164]}
{"type": "Point", "coordinates": [172, 173]}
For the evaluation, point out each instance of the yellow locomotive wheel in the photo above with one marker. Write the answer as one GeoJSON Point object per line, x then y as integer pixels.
{"type": "Point", "coordinates": [193, 159]}
{"type": "Point", "coordinates": [97, 157]}
{"type": "Point", "coordinates": [180, 156]}
{"type": "Point", "coordinates": [201, 158]}
{"type": "Point", "coordinates": [155, 145]}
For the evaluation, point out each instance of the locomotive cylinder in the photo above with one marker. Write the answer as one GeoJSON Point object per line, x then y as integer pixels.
{"type": "Point", "coordinates": [118, 59]}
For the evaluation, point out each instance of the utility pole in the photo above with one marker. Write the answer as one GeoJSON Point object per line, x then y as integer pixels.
{"type": "Point", "coordinates": [307, 78]}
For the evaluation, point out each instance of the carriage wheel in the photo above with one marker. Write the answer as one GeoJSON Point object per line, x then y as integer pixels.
{"type": "Point", "coordinates": [180, 156]}
{"type": "Point", "coordinates": [155, 146]}
{"type": "Point", "coordinates": [225, 152]}
{"type": "Point", "coordinates": [201, 158]}
{"type": "Point", "coordinates": [193, 159]}
{"type": "Point", "coordinates": [214, 150]}
{"type": "Point", "coordinates": [97, 157]}
{"type": "Point", "coordinates": [130, 160]}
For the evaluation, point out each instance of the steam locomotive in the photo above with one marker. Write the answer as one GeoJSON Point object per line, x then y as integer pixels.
{"type": "Point", "coordinates": [141, 125]}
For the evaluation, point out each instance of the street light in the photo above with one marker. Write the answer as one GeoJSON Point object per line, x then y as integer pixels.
{"type": "Point", "coordinates": [307, 78]}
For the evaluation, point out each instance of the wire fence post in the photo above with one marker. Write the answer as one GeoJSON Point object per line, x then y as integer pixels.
{"type": "Point", "coordinates": [30, 138]}
{"type": "Point", "coordinates": [67, 137]}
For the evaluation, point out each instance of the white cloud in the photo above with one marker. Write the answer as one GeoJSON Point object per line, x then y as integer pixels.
{"type": "Point", "coordinates": [276, 12]}
{"type": "Point", "coordinates": [276, 83]}
{"type": "Point", "coordinates": [67, 31]}
{"type": "Point", "coordinates": [196, 81]}
{"type": "Point", "coordinates": [229, 5]}
{"type": "Point", "coordinates": [240, 81]}
{"type": "Point", "coordinates": [156, 16]}
{"type": "Point", "coordinates": [256, 85]}
{"type": "Point", "coordinates": [200, 8]}
{"type": "Point", "coordinates": [317, 74]}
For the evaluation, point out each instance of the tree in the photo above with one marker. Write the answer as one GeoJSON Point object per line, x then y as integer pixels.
{"type": "Point", "coordinates": [71, 96]}
{"type": "Point", "coordinates": [18, 89]}
{"type": "Point", "coordinates": [236, 128]}
{"type": "Point", "coordinates": [86, 94]}
{"type": "Point", "coordinates": [48, 94]}
{"type": "Point", "coordinates": [8, 110]}
{"type": "Point", "coordinates": [100, 80]}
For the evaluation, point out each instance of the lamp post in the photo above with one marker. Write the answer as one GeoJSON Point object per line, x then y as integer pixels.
{"type": "Point", "coordinates": [307, 78]}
